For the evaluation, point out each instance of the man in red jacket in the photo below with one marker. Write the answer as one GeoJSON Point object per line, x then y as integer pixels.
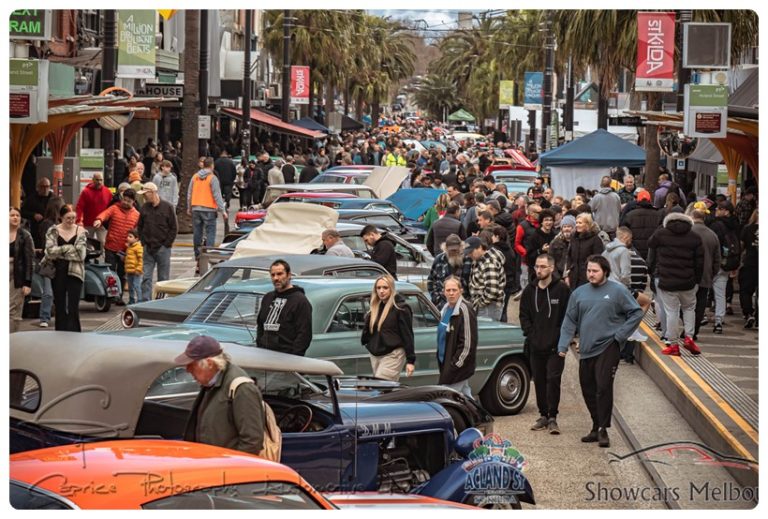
{"type": "Point", "coordinates": [94, 199]}
{"type": "Point", "coordinates": [525, 232]}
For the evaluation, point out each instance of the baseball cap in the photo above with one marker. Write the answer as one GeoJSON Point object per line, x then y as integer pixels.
{"type": "Point", "coordinates": [149, 186]}
{"type": "Point", "coordinates": [472, 243]}
{"type": "Point", "coordinates": [453, 243]}
{"type": "Point", "coordinates": [201, 347]}
{"type": "Point", "coordinates": [643, 195]}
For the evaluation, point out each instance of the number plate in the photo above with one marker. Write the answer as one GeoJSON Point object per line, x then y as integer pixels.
{"type": "Point", "coordinates": [113, 291]}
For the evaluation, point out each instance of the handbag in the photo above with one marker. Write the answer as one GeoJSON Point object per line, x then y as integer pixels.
{"type": "Point", "coordinates": [46, 268]}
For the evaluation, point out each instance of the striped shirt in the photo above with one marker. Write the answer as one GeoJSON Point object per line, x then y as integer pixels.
{"type": "Point", "coordinates": [639, 272]}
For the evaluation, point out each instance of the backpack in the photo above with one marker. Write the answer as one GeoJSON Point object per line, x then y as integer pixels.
{"type": "Point", "coordinates": [730, 252]}
{"type": "Point", "coordinates": [273, 437]}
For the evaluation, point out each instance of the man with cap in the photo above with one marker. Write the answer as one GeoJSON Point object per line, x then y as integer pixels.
{"type": "Point", "coordinates": [486, 279]}
{"type": "Point", "coordinates": [642, 220]}
{"type": "Point", "coordinates": [450, 262]}
{"type": "Point", "coordinates": [383, 250]}
{"type": "Point", "coordinates": [157, 228]}
{"type": "Point", "coordinates": [235, 422]}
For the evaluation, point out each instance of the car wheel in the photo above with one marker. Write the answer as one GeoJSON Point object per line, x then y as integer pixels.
{"type": "Point", "coordinates": [506, 391]}
{"type": "Point", "coordinates": [103, 303]}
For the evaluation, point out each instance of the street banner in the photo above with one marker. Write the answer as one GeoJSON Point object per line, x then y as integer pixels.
{"type": "Point", "coordinates": [30, 24]}
{"type": "Point", "coordinates": [655, 52]}
{"type": "Point", "coordinates": [28, 91]}
{"type": "Point", "coordinates": [534, 90]}
{"type": "Point", "coordinates": [136, 44]}
{"type": "Point", "coordinates": [506, 94]}
{"type": "Point", "coordinates": [705, 111]}
{"type": "Point", "coordinates": [299, 85]}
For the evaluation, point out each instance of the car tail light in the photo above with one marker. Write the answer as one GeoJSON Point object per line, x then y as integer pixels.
{"type": "Point", "coordinates": [111, 281]}
{"type": "Point", "coordinates": [129, 318]}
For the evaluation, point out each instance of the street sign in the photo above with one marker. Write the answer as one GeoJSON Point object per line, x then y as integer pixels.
{"type": "Point", "coordinates": [624, 120]}
{"type": "Point", "coordinates": [160, 90]}
{"type": "Point", "coordinates": [705, 111]}
{"type": "Point", "coordinates": [28, 90]}
{"type": "Point", "coordinates": [203, 126]}
{"type": "Point", "coordinates": [30, 24]}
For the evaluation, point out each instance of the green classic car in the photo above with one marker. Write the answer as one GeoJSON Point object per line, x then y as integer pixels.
{"type": "Point", "coordinates": [502, 378]}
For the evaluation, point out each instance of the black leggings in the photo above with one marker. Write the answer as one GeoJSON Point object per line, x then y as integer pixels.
{"type": "Point", "coordinates": [66, 297]}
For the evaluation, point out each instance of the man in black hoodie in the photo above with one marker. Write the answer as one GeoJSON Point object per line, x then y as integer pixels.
{"type": "Point", "coordinates": [643, 220]}
{"type": "Point", "coordinates": [542, 309]}
{"type": "Point", "coordinates": [284, 322]}
{"type": "Point", "coordinates": [726, 227]}
{"type": "Point", "coordinates": [383, 251]}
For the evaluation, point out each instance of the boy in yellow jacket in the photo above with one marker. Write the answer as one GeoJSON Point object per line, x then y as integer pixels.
{"type": "Point", "coordinates": [134, 265]}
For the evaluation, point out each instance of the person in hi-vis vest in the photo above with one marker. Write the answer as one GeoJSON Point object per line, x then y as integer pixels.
{"type": "Point", "coordinates": [204, 201]}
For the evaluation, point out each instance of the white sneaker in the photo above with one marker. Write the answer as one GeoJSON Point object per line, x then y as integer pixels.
{"type": "Point", "coordinates": [43, 324]}
{"type": "Point", "coordinates": [637, 337]}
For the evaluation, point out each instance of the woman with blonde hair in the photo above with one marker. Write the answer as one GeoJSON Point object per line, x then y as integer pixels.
{"type": "Point", "coordinates": [388, 332]}
{"type": "Point", "coordinates": [436, 211]}
{"type": "Point", "coordinates": [584, 242]}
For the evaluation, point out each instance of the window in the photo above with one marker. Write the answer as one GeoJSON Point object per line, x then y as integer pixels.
{"type": "Point", "coordinates": [228, 308]}
{"type": "Point", "coordinates": [24, 391]}
{"type": "Point", "coordinates": [356, 273]}
{"type": "Point", "coordinates": [384, 208]}
{"type": "Point", "coordinates": [226, 275]}
{"type": "Point", "coordinates": [355, 242]}
{"type": "Point", "coordinates": [382, 222]}
{"type": "Point", "coordinates": [24, 497]}
{"type": "Point", "coordinates": [422, 313]}
{"type": "Point", "coordinates": [272, 495]}
{"type": "Point", "coordinates": [350, 315]}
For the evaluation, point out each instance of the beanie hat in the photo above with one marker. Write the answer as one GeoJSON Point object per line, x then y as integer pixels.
{"type": "Point", "coordinates": [568, 220]}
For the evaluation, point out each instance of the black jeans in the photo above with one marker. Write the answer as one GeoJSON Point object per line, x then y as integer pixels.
{"type": "Point", "coordinates": [747, 289]}
{"type": "Point", "coordinates": [226, 194]}
{"type": "Point", "coordinates": [66, 297]}
{"type": "Point", "coordinates": [596, 376]}
{"type": "Point", "coordinates": [547, 374]}
{"type": "Point", "coordinates": [245, 197]}
{"type": "Point", "coordinates": [702, 298]}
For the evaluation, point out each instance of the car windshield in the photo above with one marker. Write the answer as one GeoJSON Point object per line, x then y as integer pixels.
{"type": "Point", "coordinates": [268, 495]}
{"type": "Point", "coordinates": [228, 309]}
{"type": "Point", "coordinates": [385, 222]}
{"type": "Point", "coordinates": [514, 177]}
{"type": "Point", "coordinates": [217, 277]}
{"type": "Point", "coordinates": [328, 178]}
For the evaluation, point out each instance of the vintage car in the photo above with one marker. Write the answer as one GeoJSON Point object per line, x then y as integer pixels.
{"type": "Point", "coordinates": [242, 217]}
{"type": "Point", "coordinates": [70, 388]}
{"type": "Point", "coordinates": [340, 177]}
{"type": "Point", "coordinates": [502, 378]}
{"type": "Point", "coordinates": [242, 269]}
{"type": "Point", "coordinates": [156, 475]}
{"type": "Point", "coordinates": [384, 220]}
{"type": "Point", "coordinates": [517, 180]}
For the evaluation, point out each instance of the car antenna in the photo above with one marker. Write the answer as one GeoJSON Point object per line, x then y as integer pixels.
{"type": "Point", "coordinates": [253, 339]}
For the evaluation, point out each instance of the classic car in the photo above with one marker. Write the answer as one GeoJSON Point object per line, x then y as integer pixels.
{"type": "Point", "coordinates": [243, 216]}
{"type": "Point", "coordinates": [384, 220]}
{"type": "Point", "coordinates": [340, 177]}
{"type": "Point", "coordinates": [502, 378]}
{"type": "Point", "coordinates": [242, 269]}
{"type": "Point", "coordinates": [73, 388]}
{"type": "Point", "coordinates": [156, 475]}
{"type": "Point", "coordinates": [517, 180]}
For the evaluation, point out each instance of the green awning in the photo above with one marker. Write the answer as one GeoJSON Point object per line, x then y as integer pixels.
{"type": "Point", "coordinates": [461, 115]}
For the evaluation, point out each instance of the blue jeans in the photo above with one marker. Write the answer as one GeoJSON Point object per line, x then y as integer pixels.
{"type": "Point", "coordinates": [134, 288]}
{"type": "Point", "coordinates": [493, 311]}
{"type": "Point", "coordinates": [161, 258]}
{"type": "Point", "coordinates": [46, 300]}
{"type": "Point", "coordinates": [203, 221]}
{"type": "Point", "coordinates": [720, 288]}
{"type": "Point", "coordinates": [462, 387]}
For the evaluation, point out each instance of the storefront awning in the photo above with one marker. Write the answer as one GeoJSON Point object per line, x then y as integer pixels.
{"type": "Point", "coordinates": [274, 124]}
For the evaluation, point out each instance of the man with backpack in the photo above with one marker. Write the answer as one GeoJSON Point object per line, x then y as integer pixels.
{"type": "Point", "coordinates": [725, 227]}
{"type": "Point", "coordinates": [229, 411]}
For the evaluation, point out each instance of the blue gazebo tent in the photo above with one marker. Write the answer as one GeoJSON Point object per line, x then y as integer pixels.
{"type": "Point", "coordinates": [584, 161]}
{"type": "Point", "coordinates": [310, 124]}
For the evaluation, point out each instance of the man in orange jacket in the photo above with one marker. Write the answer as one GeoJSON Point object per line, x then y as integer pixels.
{"type": "Point", "coordinates": [124, 217]}
{"type": "Point", "coordinates": [204, 202]}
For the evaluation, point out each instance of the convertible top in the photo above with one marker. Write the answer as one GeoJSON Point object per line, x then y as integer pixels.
{"type": "Point", "coordinates": [95, 384]}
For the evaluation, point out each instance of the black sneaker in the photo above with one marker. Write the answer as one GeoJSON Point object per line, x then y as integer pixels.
{"type": "Point", "coordinates": [540, 424]}
{"type": "Point", "coordinates": [750, 322]}
{"type": "Point", "coordinates": [591, 437]}
{"type": "Point", "coordinates": [602, 438]}
{"type": "Point", "coordinates": [553, 427]}
{"type": "Point", "coordinates": [704, 320]}
{"type": "Point", "coordinates": [718, 329]}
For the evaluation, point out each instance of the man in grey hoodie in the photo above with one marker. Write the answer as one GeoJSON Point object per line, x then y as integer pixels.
{"type": "Point", "coordinates": [605, 314]}
{"type": "Point", "coordinates": [204, 202]}
{"type": "Point", "coordinates": [606, 207]}
{"type": "Point", "coordinates": [167, 185]}
{"type": "Point", "coordinates": [619, 257]}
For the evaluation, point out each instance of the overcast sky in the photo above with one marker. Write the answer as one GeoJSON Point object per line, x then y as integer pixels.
{"type": "Point", "coordinates": [435, 18]}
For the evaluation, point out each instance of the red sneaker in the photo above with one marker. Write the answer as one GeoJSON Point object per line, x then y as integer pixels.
{"type": "Point", "coordinates": [691, 346]}
{"type": "Point", "coordinates": [672, 349]}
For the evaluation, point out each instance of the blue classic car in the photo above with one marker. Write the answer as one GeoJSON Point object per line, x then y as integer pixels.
{"type": "Point", "coordinates": [69, 387]}
{"type": "Point", "coordinates": [502, 378]}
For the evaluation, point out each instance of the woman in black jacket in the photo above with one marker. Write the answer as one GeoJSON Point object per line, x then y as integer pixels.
{"type": "Point", "coordinates": [584, 243]}
{"type": "Point", "coordinates": [388, 332]}
{"type": "Point", "coordinates": [22, 253]}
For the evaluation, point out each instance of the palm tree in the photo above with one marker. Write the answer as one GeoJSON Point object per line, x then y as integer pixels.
{"type": "Point", "coordinates": [438, 95]}
{"type": "Point", "coordinates": [190, 111]}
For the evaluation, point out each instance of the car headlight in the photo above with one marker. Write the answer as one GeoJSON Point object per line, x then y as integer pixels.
{"type": "Point", "coordinates": [129, 318]}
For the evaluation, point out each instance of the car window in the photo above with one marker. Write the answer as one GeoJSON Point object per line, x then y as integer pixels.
{"type": "Point", "coordinates": [25, 391]}
{"type": "Point", "coordinates": [350, 315]}
{"type": "Point", "coordinates": [422, 314]}
{"type": "Point", "coordinates": [24, 497]}
{"type": "Point", "coordinates": [385, 222]}
{"type": "Point", "coordinates": [270, 495]}
{"type": "Point", "coordinates": [328, 178]}
{"type": "Point", "coordinates": [404, 253]}
{"type": "Point", "coordinates": [354, 242]}
{"type": "Point", "coordinates": [364, 193]}
{"type": "Point", "coordinates": [355, 272]}
{"type": "Point", "coordinates": [217, 277]}
{"type": "Point", "coordinates": [384, 207]}
{"type": "Point", "coordinates": [228, 308]}
{"type": "Point", "coordinates": [359, 179]}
